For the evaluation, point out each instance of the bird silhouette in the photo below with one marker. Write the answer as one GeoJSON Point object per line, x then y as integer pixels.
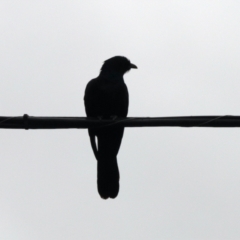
{"type": "Point", "coordinates": [106, 97]}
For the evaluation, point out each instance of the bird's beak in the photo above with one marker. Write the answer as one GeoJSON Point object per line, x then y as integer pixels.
{"type": "Point", "coordinates": [133, 66]}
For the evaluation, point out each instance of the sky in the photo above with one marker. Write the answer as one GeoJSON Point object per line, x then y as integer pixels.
{"type": "Point", "coordinates": [176, 183]}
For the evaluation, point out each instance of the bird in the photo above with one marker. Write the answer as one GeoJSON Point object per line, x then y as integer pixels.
{"type": "Point", "coordinates": [106, 97]}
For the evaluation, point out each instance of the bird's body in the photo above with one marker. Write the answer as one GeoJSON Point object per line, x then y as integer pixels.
{"type": "Point", "coordinates": [106, 97]}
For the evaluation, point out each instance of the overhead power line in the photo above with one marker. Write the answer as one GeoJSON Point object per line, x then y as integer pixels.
{"type": "Point", "coordinates": [30, 122]}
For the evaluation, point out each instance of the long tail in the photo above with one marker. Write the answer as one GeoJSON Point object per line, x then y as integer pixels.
{"type": "Point", "coordinates": [109, 141]}
{"type": "Point", "coordinates": [108, 177]}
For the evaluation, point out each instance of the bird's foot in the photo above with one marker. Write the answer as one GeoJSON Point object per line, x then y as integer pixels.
{"type": "Point", "coordinates": [113, 117]}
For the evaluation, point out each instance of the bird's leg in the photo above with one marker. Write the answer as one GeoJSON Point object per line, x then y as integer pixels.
{"type": "Point", "coordinates": [113, 117]}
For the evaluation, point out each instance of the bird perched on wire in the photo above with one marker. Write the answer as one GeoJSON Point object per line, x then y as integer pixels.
{"type": "Point", "coordinates": [106, 97]}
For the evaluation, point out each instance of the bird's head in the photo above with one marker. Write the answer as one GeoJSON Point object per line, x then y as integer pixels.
{"type": "Point", "coordinates": [117, 64]}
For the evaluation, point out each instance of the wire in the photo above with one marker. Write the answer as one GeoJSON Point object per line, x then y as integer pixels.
{"type": "Point", "coordinates": [7, 119]}
{"type": "Point", "coordinates": [214, 119]}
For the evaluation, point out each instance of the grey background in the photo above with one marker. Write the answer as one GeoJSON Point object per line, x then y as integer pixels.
{"type": "Point", "coordinates": [176, 183]}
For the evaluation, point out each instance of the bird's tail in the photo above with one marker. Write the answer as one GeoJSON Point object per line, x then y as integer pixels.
{"type": "Point", "coordinates": [108, 177]}
{"type": "Point", "coordinates": [109, 142]}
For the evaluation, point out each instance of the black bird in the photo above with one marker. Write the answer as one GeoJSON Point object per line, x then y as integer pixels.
{"type": "Point", "coordinates": [107, 97]}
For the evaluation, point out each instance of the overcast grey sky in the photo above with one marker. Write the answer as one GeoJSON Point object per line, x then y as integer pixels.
{"type": "Point", "coordinates": [176, 183]}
